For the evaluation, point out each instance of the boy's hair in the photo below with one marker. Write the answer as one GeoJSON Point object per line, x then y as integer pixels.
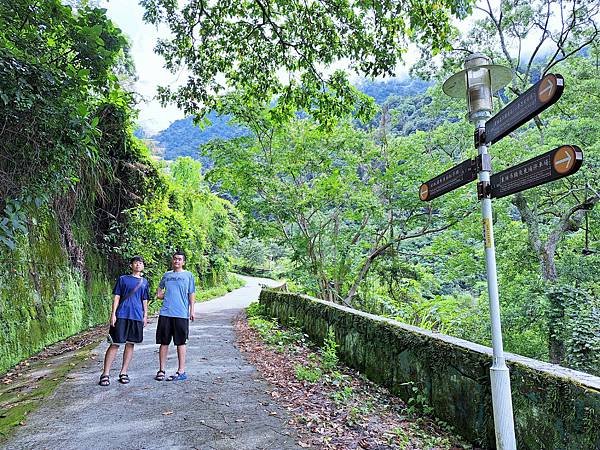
{"type": "Point", "coordinates": [136, 258]}
{"type": "Point", "coordinates": [179, 253]}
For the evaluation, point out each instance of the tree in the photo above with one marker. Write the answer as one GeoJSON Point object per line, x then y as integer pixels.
{"type": "Point", "coordinates": [56, 67]}
{"type": "Point", "coordinates": [287, 49]}
{"type": "Point", "coordinates": [337, 200]}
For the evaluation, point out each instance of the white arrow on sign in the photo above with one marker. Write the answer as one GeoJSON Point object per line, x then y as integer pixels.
{"type": "Point", "coordinates": [548, 88]}
{"type": "Point", "coordinates": [567, 159]}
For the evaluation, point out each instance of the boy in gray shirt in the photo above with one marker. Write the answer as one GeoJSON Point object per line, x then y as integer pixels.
{"type": "Point", "coordinates": [177, 290]}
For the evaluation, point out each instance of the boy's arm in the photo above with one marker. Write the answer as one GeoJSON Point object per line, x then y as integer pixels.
{"type": "Point", "coordinates": [160, 292]}
{"type": "Point", "coordinates": [145, 303]}
{"type": "Point", "coordinates": [113, 313]}
{"type": "Point", "coordinates": [192, 301]}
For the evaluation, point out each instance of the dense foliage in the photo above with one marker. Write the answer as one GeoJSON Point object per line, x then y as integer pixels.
{"type": "Point", "coordinates": [56, 69]}
{"type": "Point", "coordinates": [79, 194]}
{"type": "Point", "coordinates": [344, 202]}
{"type": "Point", "coordinates": [187, 217]}
{"type": "Point", "coordinates": [285, 49]}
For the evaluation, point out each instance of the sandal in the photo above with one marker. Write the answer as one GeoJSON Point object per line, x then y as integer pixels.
{"type": "Point", "coordinates": [123, 378]}
{"type": "Point", "coordinates": [104, 380]}
{"type": "Point", "coordinates": [160, 375]}
{"type": "Point", "coordinates": [177, 377]}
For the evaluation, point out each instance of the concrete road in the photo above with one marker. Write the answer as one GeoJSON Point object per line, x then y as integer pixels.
{"type": "Point", "coordinates": [222, 405]}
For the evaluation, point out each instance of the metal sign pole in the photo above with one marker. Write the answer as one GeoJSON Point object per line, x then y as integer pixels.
{"type": "Point", "coordinates": [478, 81]}
{"type": "Point", "coordinates": [499, 375]}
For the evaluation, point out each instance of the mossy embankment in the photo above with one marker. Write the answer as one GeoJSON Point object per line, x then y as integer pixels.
{"type": "Point", "coordinates": [554, 407]}
{"type": "Point", "coordinates": [44, 297]}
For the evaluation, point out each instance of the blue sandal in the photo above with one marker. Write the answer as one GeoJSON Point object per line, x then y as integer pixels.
{"type": "Point", "coordinates": [177, 377]}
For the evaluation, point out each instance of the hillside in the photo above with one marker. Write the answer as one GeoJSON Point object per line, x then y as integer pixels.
{"type": "Point", "coordinates": [407, 97]}
{"type": "Point", "coordinates": [183, 138]}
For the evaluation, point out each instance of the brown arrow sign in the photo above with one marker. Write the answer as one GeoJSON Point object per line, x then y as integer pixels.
{"type": "Point", "coordinates": [451, 179]}
{"type": "Point", "coordinates": [528, 105]}
{"type": "Point", "coordinates": [553, 165]}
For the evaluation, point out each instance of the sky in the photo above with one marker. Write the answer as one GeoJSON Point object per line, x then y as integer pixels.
{"type": "Point", "coordinates": [127, 15]}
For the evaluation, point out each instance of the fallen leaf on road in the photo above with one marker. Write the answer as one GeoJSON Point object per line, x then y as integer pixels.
{"type": "Point", "coordinates": [167, 413]}
{"type": "Point", "coordinates": [303, 444]}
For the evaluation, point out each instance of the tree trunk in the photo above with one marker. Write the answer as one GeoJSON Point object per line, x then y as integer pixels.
{"type": "Point", "coordinates": [556, 313]}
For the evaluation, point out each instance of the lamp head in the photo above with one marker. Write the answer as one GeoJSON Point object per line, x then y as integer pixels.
{"type": "Point", "coordinates": [477, 82]}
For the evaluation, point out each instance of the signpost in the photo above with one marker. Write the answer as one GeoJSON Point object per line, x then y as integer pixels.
{"type": "Point", "coordinates": [476, 83]}
{"type": "Point", "coordinates": [553, 165]}
{"type": "Point", "coordinates": [528, 105]}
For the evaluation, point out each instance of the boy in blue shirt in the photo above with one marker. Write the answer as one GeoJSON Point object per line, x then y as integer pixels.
{"type": "Point", "coordinates": [177, 290]}
{"type": "Point", "coordinates": [128, 317]}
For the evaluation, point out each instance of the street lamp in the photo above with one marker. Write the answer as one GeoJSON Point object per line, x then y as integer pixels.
{"type": "Point", "coordinates": [476, 83]}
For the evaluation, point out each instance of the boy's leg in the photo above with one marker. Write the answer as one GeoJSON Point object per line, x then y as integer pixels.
{"type": "Point", "coordinates": [109, 357]}
{"type": "Point", "coordinates": [181, 350]}
{"type": "Point", "coordinates": [181, 331]}
{"type": "Point", "coordinates": [163, 338]}
{"type": "Point", "coordinates": [127, 355]}
{"type": "Point", "coordinates": [162, 356]}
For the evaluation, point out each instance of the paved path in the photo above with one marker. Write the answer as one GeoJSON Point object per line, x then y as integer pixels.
{"type": "Point", "coordinates": [222, 405]}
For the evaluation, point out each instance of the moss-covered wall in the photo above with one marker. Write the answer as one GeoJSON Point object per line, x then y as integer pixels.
{"type": "Point", "coordinates": [43, 298]}
{"type": "Point", "coordinates": [555, 408]}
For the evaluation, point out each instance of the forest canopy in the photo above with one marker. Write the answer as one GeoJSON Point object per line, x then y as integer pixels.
{"type": "Point", "coordinates": [288, 49]}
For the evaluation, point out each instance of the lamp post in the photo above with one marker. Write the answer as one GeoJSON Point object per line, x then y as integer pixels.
{"type": "Point", "coordinates": [477, 82]}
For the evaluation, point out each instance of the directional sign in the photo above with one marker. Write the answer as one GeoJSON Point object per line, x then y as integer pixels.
{"type": "Point", "coordinates": [528, 105]}
{"type": "Point", "coordinates": [452, 179]}
{"type": "Point", "coordinates": [558, 163]}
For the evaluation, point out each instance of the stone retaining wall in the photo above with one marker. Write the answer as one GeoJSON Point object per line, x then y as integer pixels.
{"type": "Point", "coordinates": [555, 408]}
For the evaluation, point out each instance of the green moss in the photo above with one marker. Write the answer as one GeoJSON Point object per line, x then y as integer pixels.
{"type": "Point", "coordinates": [42, 298]}
{"type": "Point", "coordinates": [16, 405]}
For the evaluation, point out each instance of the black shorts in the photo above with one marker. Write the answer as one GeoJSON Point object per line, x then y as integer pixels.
{"type": "Point", "coordinates": [172, 327]}
{"type": "Point", "coordinates": [127, 330]}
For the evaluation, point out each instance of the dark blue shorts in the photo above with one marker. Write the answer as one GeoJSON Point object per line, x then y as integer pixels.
{"type": "Point", "coordinates": [176, 328]}
{"type": "Point", "coordinates": [127, 330]}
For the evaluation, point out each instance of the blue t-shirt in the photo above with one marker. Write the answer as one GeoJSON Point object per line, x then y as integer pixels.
{"type": "Point", "coordinates": [177, 286]}
{"type": "Point", "coordinates": [132, 307]}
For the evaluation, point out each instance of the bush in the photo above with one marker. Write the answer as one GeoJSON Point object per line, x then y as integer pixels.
{"type": "Point", "coordinates": [329, 357]}
{"type": "Point", "coordinates": [310, 374]}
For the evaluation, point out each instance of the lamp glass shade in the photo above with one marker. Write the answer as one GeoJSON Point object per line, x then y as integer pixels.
{"type": "Point", "coordinates": [479, 95]}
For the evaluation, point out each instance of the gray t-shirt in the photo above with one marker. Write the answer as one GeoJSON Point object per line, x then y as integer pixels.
{"type": "Point", "coordinates": [177, 286]}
